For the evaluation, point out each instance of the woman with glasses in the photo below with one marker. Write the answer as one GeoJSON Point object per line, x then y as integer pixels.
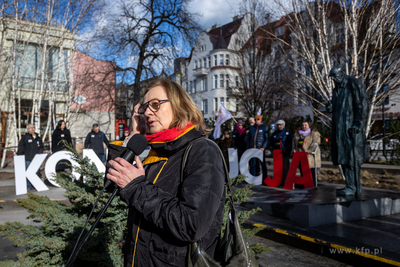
{"type": "Point", "coordinates": [165, 214]}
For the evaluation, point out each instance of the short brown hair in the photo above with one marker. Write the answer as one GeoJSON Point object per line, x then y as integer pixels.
{"type": "Point", "coordinates": [183, 107]}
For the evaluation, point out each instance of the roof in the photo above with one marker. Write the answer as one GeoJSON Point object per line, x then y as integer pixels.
{"type": "Point", "coordinates": [221, 36]}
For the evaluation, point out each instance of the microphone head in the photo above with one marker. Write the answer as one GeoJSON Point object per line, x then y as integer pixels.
{"type": "Point", "coordinates": [137, 144]}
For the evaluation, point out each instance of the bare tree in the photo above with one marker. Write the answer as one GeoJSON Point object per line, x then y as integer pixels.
{"type": "Point", "coordinates": [360, 35]}
{"type": "Point", "coordinates": [149, 33]}
{"type": "Point", "coordinates": [260, 84]}
{"type": "Point", "coordinates": [37, 41]}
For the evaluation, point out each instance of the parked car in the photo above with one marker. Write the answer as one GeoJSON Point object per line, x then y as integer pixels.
{"type": "Point", "coordinates": [376, 143]}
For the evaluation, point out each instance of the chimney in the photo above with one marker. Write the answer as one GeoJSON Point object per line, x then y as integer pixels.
{"type": "Point", "coordinates": [235, 17]}
{"type": "Point", "coordinates": [268, 18]}
{"type": "Point", "coordinates": [214, 26]}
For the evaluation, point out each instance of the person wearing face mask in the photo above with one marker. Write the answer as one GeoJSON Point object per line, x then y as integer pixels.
{"type": "Point", "coordinates": [282, 139]}
{"type": "Point", "coordinates": [304, 141]}
{"type": "Point", "coordinates": [165, 214]}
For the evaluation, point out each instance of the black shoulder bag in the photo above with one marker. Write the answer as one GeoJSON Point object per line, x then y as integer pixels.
{"type": "Point", "coordinates": [232, 249]}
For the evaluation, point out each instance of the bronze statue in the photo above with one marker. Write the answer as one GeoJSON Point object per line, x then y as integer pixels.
{"type": "Point", "coordinates": [349, 107]}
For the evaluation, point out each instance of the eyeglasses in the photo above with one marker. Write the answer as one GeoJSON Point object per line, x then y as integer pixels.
{"type": "Point", "coordinates": [154, 105]}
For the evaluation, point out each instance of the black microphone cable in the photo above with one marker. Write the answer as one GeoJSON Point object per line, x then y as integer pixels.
{"type": "Point", "coordinates": [136, 145]}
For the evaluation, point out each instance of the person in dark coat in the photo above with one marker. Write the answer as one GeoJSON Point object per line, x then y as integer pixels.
{"type": "Point", "coordinates": [239, 135]}
{"type": "Point", "coordinates": [30, 145]}
{"type": "Point", "coordinates": [257, 138]}
{"type": "Point", "coordinates": [125, 135]}
{"type": "Point", "coordinates": [95, 140]}
{"type": "Point", "coordinates": [165, 214]}
{"type": "Point", "coordinates": [225, 143]}
{"type": "Point", "coordinates": [281, 138]}
{"type": "Point", "coordinates": [61, 137]}
{"type": "Point", "coordinates": [349, 107]}
{"type": "Point", "coordinates": [59, 140]}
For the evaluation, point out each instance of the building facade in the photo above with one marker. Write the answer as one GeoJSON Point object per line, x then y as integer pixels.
{"type": "Point", "coordinates": [212, 70]}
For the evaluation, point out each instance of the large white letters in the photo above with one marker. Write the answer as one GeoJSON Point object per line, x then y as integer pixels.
{"type": "Point", "coordinates": [50, 169]}
{"type": "Point", "coordinates": [21, 174]}
{"type": "Point", "coordinates": [244, 161]}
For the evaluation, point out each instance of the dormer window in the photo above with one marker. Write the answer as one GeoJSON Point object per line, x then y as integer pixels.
{"type": "Point", "coordinates": [280, 31]}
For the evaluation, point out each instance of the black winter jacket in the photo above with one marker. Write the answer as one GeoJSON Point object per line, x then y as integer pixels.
{"type": "Point", "coordinates": [59, 138]}
{"type": "Point", "coordinates": [30, 146]}
{"type": "Point", "coordinates": [166, 216]}
{"type": "Point", "coordinates": [95, 141]}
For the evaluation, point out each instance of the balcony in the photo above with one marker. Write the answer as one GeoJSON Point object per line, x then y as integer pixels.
{"type": "Point", "coordinates": [200, 72]}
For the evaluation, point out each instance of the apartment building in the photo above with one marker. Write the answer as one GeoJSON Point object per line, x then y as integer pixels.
{"type": "Point", "coordinates": [212, 69]}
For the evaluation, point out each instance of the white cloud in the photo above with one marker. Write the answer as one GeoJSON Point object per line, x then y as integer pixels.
{"type": "Point", "coordinates": [222, 11]}
{"type": "Point", "coordinates": [215, 11]}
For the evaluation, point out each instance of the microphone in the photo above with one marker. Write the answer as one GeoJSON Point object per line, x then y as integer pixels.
{"type": "Point", "coordinates": [136, 145]}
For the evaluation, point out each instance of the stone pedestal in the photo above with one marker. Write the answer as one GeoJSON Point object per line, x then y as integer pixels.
{"type": "Point", "coordinates": [319, 206]}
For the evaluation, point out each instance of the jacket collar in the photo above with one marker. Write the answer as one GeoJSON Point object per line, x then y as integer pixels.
{"type": "Point", "coordinates": [162, 151]}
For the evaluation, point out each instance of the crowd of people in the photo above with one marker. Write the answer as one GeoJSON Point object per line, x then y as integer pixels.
{"type": "Point", "coordinates": [257, 135]}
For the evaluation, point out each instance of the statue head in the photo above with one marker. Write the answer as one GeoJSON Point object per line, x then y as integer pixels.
{"type": "Point", "coordinates": [337, 74]}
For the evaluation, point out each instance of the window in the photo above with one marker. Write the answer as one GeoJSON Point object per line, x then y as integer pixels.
{"type": "Point", "coordinates": [200, 63]}
{"type": "Point", "coordinates": [209, 62]}
{"type": "Point", "coordinates": [382, 90]}
{"type": "Point", "coordinates": [215, 60]}
{"type": "Point", "coordinates": [280, 31]}
{"type": "Point", "coordinates": [187, 87]}
{"type": "Point", "coordinates": [227, 103]}
{"type": "Point", "coordinates": [277, 75]}
{"type": "Point", "coordinates": [237, 104]}
{"type": "Point", "coordinates": [28, 61]}
{"type": "Point", "coordinates": [222, 101]}
{"type": "Point", "coordinates": [195, 86]}
{"type": "Point", "coordinates": [221, 80]}
{"type": "Point", "coordinates": [204, 84]}
{"type": "Point", "coordinates": [299, 67]}
{"type": "Point", "coordinates": [237, 81]}
{"type": "Point", "coordinates": [216, 104]}
{"type": "Point", "coordinates": [227, 81]}
{"type": "Point", "coordinates": [221, 60]}
{"type": "Point", "coordinates": [205, 106]}
{"type": "Point", "coordinates": [191, 87]}
{"type": "Point", "coordinates": [195, 64]}
{"type": "Point", "coordinates": [339, 34]}
{"type": "Point", "coordinates": [227, 60]}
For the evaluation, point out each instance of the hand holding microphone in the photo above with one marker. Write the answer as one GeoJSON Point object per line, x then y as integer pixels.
{"type": "Point", "coordinates": [121, 170]}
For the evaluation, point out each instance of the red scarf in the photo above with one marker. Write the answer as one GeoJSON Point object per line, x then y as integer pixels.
{"type": "Point", "coordinates": [241, 131]}
{"type": "Point", "coordinates": [167, 135]}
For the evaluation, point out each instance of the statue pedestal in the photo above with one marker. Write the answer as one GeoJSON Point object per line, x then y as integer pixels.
{"type": "Point", "coordinates": [320, 206]}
